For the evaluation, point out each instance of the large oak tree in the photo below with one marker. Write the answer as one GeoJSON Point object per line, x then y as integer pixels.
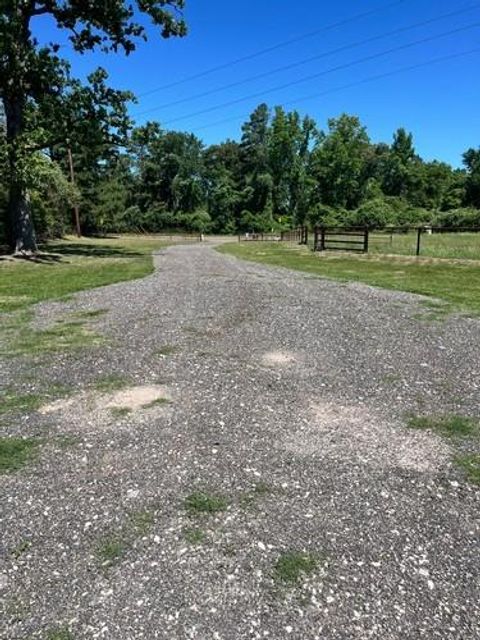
{"type": "Point", "coordinates": [41, 103]}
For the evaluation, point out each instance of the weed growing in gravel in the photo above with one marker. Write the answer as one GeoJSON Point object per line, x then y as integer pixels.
{"type": "Point", "coordinates": [260, 490]}
{"type": "Point", "coordinates": [21, 339]}
{"type": "Point", "coordinates": [120, 412]}
{"type": "Point", "coordinates": [291, 566]}
{"type": "Point", "coordinates": [59, 634]}
{"type": "Point", "coordinates": [65, 441]}
{"type": "Point", "coordinates": [21, 548]}
{"type": "Point", "coordinates": [194, 536]}
{"type": "Point", "coordinates": [199, 502]}
{"type": "Point", "coordinates": [15, 453]}
{"type": "Point", "coordinates": [91, 314]}
{"type": "Point", "coordinates": [19, 403]}
{"type": "Point", "coordinates": [471, 466]}
{"type": "Point", "coordinates": [111, 549]}
{"type": "Point", "coordinates": [156, 403]}
{"type": "Point", "coordinates": [166, 350]}
{"type": "Point", "coordinates": [110, 382]}
{"type": "Point", "coordinates": [452, 425]}
{"type": "Point", "coordinates": [142, 522]}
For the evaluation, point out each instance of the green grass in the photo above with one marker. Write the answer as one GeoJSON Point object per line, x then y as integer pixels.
{"type": "Point", "coordinates": [293, 565]}
{"type": "Point", "coordinates": [463, 246]}
{"type": "Point", "coordinates": [166, 350]}
{"type": "Point", "coordinates": [470, 464]}
{"type": "Point", "coordinates": [21, 548]}
{"type": "Point", "coordinates": [11, 402]}
{"type": "Point", "coordinates": [158, 402]}
{"type": "Point", "coordinates": [73, 265]}
{"type": "Point", "coordinates": [110, 382]}
{"type": "Point", "coordinates": [120, 412]}
{"type": "Point", "coordinates": [141, 522]}
{"type": "Point", "coordinates": [60, 633]}
{"type": "Point", "coordinates": [435, 279]}
{"type": "Point", "coordinates": [111, 550]}
{"type": "Point", "coordinates": [194, 536]}
{"type": "Point", "coordinates": [452, 425]}
{"type": "Point", "coordinates": [200, 502]}
{"type": "Point", "coordinates": [15, 453]}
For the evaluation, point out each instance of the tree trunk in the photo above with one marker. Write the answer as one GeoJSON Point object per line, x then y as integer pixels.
{"type": "Point", "coordinates": [19, 227]}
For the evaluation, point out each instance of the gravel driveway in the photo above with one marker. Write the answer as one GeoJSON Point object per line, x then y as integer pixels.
{"type": "Point", "coordinates": [274, 429]}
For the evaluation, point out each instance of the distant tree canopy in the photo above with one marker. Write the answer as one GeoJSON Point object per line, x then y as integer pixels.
{"type": "Point", "coordinates": [284, 171]}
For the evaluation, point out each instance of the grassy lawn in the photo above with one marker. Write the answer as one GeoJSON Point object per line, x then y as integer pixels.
{"type": "Point", "coordinates": [458, 284]}
{"type": "Point", "coordinates": [436, 245]}
{"type": "Point", "coordinates": [73, 264]}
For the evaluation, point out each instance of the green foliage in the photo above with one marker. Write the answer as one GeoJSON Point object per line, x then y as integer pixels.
{"type": "Point", "coordinates": [293, 565]}
{"type": "Point", "coordinates": [201, 502]}
{"type": "Point", "coordinates": [15, 453]}
{"type": "Point", "coordinates": [452, 425]}
{"type": "Point", "coordinates": [470, 463]}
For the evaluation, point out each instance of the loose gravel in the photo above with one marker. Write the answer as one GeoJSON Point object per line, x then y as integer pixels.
{"type": "Point", "coordinates": [288, 398]}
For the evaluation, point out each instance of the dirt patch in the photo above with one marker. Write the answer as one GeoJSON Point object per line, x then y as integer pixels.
{"type": "Point", "coordinates": [136, 397]}
{"type": "Point", "coordinates": [359, 434]}
{"type": "Point", "coordinates": [279, 358]}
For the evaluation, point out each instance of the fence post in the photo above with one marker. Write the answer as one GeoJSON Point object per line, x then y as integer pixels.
{"type": "Point", "coordinates": [315, 238]}
{"type": "Point", "coordinates": [365, 241]}
{"type": "Point", "coordinates": [419, 240]}
{"type": "Point", "coordinates": [322, 242]}
{"type": "Point", "coordinates": [305, 236]}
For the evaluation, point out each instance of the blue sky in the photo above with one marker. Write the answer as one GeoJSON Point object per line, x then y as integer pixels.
{"type": "Point", "coordinates": [439, 103]}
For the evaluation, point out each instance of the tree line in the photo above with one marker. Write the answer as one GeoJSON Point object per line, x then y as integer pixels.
{"type": "Point", "coordinates": [67, 146]}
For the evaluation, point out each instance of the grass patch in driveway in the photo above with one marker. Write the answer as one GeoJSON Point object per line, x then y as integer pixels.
{"type": "Point", "coordinates": [438, 279]}
{"type": "Point", "coordinates": [110, 382]}
{"type": "Point", "coordinates": [293, 565]}
{"type": "Point", "coordinates": [61, 633]}
{"type": "Point", "coordinates": [166, 350]}
{"type": "Point", "coordinates": [20, 338]}
{"type": "Point", "coordinates": [451, 425]}
{"type": "Point", "coordinates": [120, 412]}
{"type": "Point", "coordinates": [158, 402]}
{"type": "Point", "coordinates": [200, 502]}
{"type": "Point", "coordinates": [16, 452]}
{"type": "Point", "coordinates": [11, 402]}
{"type": "Point", "coordinates": [470, 464]}
{"type": "Point", "coordinates": [194, 535]}
{"type": "Point", "coordinates": [111, 550]}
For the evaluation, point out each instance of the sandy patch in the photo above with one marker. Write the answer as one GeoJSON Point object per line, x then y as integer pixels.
{"type": "Point", "coordinates": [136, 397]}
{"type": "Point", "coordinates": [56, 405]}
{"type": "Point", "coordinates": [278, 358]}
{"type": "Point", "coordinates": [359, 434]}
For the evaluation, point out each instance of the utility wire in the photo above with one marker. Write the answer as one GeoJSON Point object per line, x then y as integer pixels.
{"type": "Point", "coordinates": [274, 47]}
{"type": "Point", "coordinates": [350, 85]}
{"type": "Point", "coordinates": [347, 65]}
{"type": "Point", "coordinates": [293, 65]}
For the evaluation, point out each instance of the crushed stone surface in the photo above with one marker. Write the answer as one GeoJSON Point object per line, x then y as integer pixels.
{"type": "Point", "coordinates": [288, 397]}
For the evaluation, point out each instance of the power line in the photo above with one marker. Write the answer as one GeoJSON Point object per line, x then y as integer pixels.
{"type": "Point", "coordinates": [274, 47]}
{"type": "Point", "coordinates": [307, 60]}
{"type": "Point", "coordinates": [322, 73]}
{"type": "Point", "coordinates": [351, 85]}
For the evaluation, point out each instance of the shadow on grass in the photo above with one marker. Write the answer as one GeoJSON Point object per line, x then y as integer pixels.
{"type": "Point", "coordinates": [89, 250]}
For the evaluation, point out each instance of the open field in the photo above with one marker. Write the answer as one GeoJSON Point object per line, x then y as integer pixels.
{"type": "Point", "coordinates": [456, 284]}
{"type": "Point", "coordinates": [239, 452]}
{"type": "Point", "coordinates": [74, 264]}
{"type": "Point", "coordinates": [462, 246]}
